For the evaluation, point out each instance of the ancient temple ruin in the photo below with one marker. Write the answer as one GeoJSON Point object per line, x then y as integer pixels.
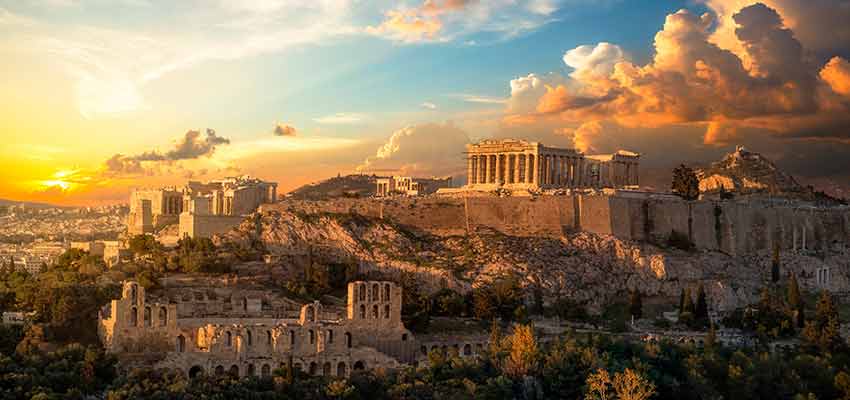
{"type": "Point", "coordinates": [518, 164]}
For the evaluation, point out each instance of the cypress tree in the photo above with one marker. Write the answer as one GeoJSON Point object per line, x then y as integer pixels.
{"type": "Point", "coordinates": [774, 267]}
{"type": "Point", "coordinates": [682, 301]}
{"type": "Point", "coordinates": [795, 301]}
{"type": "Point", "coordinates": [636, 305]}
{"type": "Point", "coordinates": [701, 312]}
{"type": "Point", "coordinates": [689, 303]}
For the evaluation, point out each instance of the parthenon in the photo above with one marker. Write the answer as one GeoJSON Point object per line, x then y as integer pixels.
{"type": "Point", "coordinates": [518, 164]}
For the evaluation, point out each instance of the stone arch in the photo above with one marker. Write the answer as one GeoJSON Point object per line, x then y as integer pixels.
{"type": "Point", "coordinates": [341, 369]}
{"type": "Point", "coordinates": [269, 338]}
{"type": "Point", "coordinates": [196, 371]}
{"type": "Point", "coordinates": [403, 337]}
{"type": "Point", "coordinates": [245, 304]}
{"type": "Point", "coordinates": [313, 368]}
{"type": "Point", "coordinates": [386, 292]}
{"type": "Point", "coordinates": [362, 290]}
{"type": "Point", "coordinates": [348, 339]}
{"type": "Point", "coordinates": [134, 293]}
{"type": "Point", "coordinates": [386, 311]}
{"type": "Point", "coordinates": [147, 317]}
{"type": "Point", "coordinates": [250, 337]}
{"type": "Point", "coordinates": [330, 335]}
{"type": "Point", "coordinates": [292, 338]}
{"type": "Point", "coordinates": [360, 365]}
{"type": "Point", "coordinates": [265, 370]}
{"type": "Point", "coordinates": [219, 370]}
{"type": "Point", "coordinates": [326, 369]}
{"type": "Point", "coordinates": [234, 371]}
{"type": "Point", "coordinates": [376, 290]}
{"type": "Point", "coordinates": [362, 311]}
{"type": "Point", "coordinates": [163, 316]}
{"type": "Point", "coordinates": [251, 370]}
{"type": "Point", "coordinates": [312, 336]}
{"type": "Point", "coordinates": [467, 349]}
{"type": "Point", "coordinates": [228, 339]}
{"type": "Point", "coordinates": [134, 316]}
{"type": "Point", "coordinates": [375, 311]}
{"type": "Point", "coordinates": [181, 343]}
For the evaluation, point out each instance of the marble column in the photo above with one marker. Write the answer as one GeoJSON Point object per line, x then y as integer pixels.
{"type": "Point", "coordinates": [487, 168]}
{"type": "Point", "coordinates": [516, 168]}
{"type": "Point", "coordinates": [470, 170]}
{"type": "Point", "coordinates": [529, 168]}
{"type": "Point", "coordinates": [499, 165]}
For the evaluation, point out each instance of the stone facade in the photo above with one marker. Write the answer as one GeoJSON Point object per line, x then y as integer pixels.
{"type": "Point", "coordinates": [234, 197]}
{"type": "Point", "coordinates": [518, 164]}
{"type": "Point", "coordinates": [248, 334]}
{"type": "Point", "coordinates": [404, 185]}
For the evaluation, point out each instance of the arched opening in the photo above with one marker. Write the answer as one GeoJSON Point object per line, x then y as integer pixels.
{"type": "Point", "coordinates": [386, 292]}
{"type": "Point", "coordinates": [181, 344]}
{"type": "Point", "coordinates": [269, 338]}
{"type": "Point", "coordinates": [375, 292]}
{"type": "Point", "coordinates": [134, 316]}
{"type": "Point", "coordinates": [312, 336]}
{"type": "Point", "coordinates": [359, 366]}
{"type": "Point", "coordinates": [375, 311]}
{"type": "Point", "coordinates": [330, 336]}
{"type": "Point", "coordinates": [251, 370]}
{"type": "Point", "coordinates": [219, 370]}
{"type": "Point", "coordinates": [265, 370]}
{"type": "Point", "coordinates": [424, 350]}
{"type": "Point", "coordinates": [163, 316]}
{"type": "Point", "coordinates": [234, 371]}
{"type": "Point", "coordinates": [326, 369]}
{"type": "Point", "coordinates": [341, 369]}
{"type": "Point", "coordinates": [386, 311]}
{"type": "Point", "coordinates": [348, 339]}
{"type": "Point", "coordinates": [245, 304]}
{"type": "Point", "coordinates": [133, 294]}
{"type": "Point", "coordinates": [196, 372]}
{"type": "Point", "coordinates": [403, 337]}
{"type": "Point", "coordinates": [147, 317]}
{"type": "Point", "coordinates": [362, 291]}
{"type": "Point", "coordinates": [228, 339]}
{"type": "Point", "coordinates": [250, 338]}
{"type": "Point", "coordinates": [313, 368]}
{"type": "Point", "coordinates": [467, 349]}
{"type": "Point", "coordinates": [362, 311]}
{"type": "Point", "coordinates": [311, 313]}
{"type": "Point", "coordinates": [292, 338]}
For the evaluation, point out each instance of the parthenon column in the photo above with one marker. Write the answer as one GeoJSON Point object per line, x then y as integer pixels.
{"type": "Point", "coordinates": [529, 168]}
{"type": "Point", "coordinates": [470, 170]}
{"type": "Point", "coordinates": [516, 168]}
{"type": "Point", "coordinates": [486, 168]}
{"type": "Point", "coordinates": [498, 177]}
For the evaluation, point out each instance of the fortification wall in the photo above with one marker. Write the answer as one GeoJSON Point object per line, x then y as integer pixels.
{"type": "Point", "coordinates": [735, 227]}
{"type": "Point", "coordinates": [198, 226]}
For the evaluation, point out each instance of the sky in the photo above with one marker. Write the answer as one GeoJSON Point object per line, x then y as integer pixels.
{"type": "Point", "coordinates": [100, 96]}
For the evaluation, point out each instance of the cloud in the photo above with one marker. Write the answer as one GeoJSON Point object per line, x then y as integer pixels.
{"type": "Point", "coordinates": [342, 119]}
{"type": "Point", "coordinates": [592, 61]}
{"type": "Point", "coordinates": [447, 20]}
{"type": "Point", "coordinates": [836, 73]}
{"type": "Point", "coordinates": [190, 146]}
{"type": "Point", "coordinates": [420, 150]}
{"type": "Point", "coordinates": [429, 105]}
{"type": "Point", "coordinates": [283, 130]}
{"type": "Point", "coordinates": [112, 66]}
{"type": "Point", "coordinates": [474, 98]}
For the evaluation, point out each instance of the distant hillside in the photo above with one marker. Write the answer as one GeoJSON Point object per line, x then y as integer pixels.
{"type": "Point", "coordinates": [349, 186]}
{"type": "Point", "coordinates": [747, 172]}
{"type": "Point", "coordinates": [30, 204]}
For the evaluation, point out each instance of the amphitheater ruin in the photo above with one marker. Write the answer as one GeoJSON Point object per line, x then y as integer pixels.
{"type": "Point", "coordinates": [251, 333]}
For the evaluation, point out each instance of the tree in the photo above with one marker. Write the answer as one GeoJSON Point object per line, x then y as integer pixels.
{"type": "Point", "coordinates": [685, 183]}
{"type": "Point", "coordinates": [682, 301]}
{"type": "Point", "coordinates": [636, 304]}
{"type": "Point", "coordinates": [522, 359]}
{"type": "Point", "coordinates": [599, 385]}
{"type": "Point", "coordinates": [630, 385]}
{"type": "Point", "coordinates": [823, 331]}
{"type": "Point", "coordinates": [774, 266]}
{"type": "Point", "coordinates": [795, 301]}
{"type": "Point", "coordinates": [701, 311]}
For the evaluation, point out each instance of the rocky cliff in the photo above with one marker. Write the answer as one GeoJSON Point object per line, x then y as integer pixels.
{"type": "Point", "coordinates": [589, 268]}
{"type": "Point", "coordinates": [747, 172]}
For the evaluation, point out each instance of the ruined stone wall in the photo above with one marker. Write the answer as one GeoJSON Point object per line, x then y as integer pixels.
{"type": "Point", "coordinates": [735, 227]}
{"type": "Point", "coordinates": [197, 226]}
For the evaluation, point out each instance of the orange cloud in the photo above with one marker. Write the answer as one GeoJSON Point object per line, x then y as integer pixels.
{"type": "Point", "coordinates": [836, 74]}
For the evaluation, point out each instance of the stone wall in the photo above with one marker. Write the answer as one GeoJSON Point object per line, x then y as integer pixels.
{"type": "Point", "coordinates": [734, 227]}
{"type": "Point", "coordinates": [194, 225]}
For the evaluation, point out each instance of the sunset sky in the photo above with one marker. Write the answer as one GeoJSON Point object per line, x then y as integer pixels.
{"type": "Point", "coordinates": [103, 95]}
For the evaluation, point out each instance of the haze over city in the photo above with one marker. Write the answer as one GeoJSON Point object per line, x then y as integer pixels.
{"type": "Point", "coordinates": [105, 96]}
